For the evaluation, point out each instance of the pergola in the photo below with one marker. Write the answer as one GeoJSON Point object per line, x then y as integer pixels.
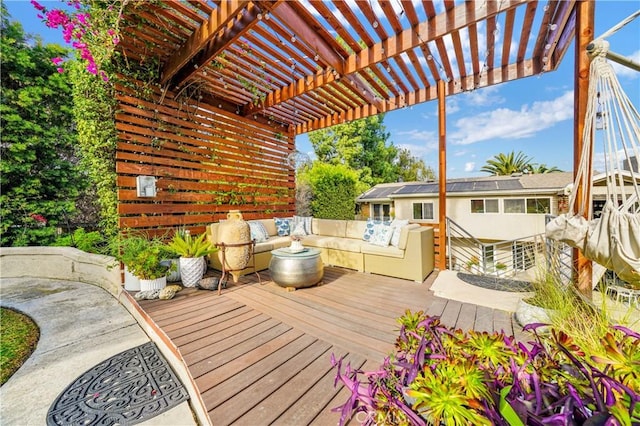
{"type": "Point", "coordinates": [239, 79]}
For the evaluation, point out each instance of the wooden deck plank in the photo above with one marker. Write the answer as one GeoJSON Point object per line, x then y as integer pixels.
{"type": "Point", "coordinates": [467, 317]}
{"type": "Point", "coordinates": [300, 370]}
{"type": "Point", "coordinates": [259, 354]}
{"type": "Point", "coordinates": [191, 332]}
{"type": "Point", "coordinates": [203, 362]}
{"type": "Point", "coordinates": [308, 321]}
{"type": "Point", "coordinates": [502, 322]}
{"type": "Point", "coordinates": [437, 307]}
{"type": "Point", "coordinates": [451, 313]}
{"type": "Point", "coordinates": [484, 319]}
{"type": "Point", "coordinates": [232, 387]}
{"type": "Point", "coordinates": [217, 342]}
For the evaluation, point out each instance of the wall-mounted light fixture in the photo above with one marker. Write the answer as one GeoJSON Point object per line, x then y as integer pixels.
{"type": "Point", "coordinates": [146, 186]}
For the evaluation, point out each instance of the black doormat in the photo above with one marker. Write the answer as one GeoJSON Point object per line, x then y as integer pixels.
{"type": "Point", "coordinates": [494, 283]}
{"type": "Point", "coordinates": [128, 388]}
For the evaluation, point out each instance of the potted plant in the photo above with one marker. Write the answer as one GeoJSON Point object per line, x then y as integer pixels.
{"type": "Point", "coordinates": [147, 265]}
{"type": "Point", "coordinates": [192, 252]}
{"type": "Point", "coordinates": [500, 268]}
{"type": "Point", "coordinates": [141, 257]}
{"type": "Point", "coordinates": [472, 264]}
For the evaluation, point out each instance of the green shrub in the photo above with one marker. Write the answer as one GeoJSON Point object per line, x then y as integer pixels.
{"type": "Point", "coordinates": [334, 190]}
{"type": "Point", "coordinates": [90, 242]}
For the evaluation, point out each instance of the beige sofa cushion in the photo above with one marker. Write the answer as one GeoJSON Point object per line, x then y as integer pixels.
{"type": "Point", "coordinates": [404, 235]}
{"type": "Point", "coordinates": [320, 241]}
{"type": "Point", "coordinates": [270, 226]}
{"type": "Point", "coordinates": [389, 251]}
{"type": "Point", "coordinates": [329, 227]}
{"type": "Point", "coordinates": [272, 244]}
{"type": "Point", "coordinates": [355, 229]}
{"type": "Point", "coordinates": [344, 244]}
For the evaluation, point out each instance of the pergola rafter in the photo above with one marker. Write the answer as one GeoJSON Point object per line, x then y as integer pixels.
{"type": "Point", "coordinates": [343, 60]}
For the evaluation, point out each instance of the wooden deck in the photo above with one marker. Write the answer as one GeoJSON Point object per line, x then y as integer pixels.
{"type": "Point", "coordinates": [261, 355]}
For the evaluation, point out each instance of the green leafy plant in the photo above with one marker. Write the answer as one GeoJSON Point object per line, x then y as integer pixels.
{"type": "Point", "coordinates": [442, 376]}
{"type": "Point", "coordinates": [501, 266]}
{"type": "Point", "coordinates": [185, 245]}
{"type": "Point", "coordinates": [90, 242]}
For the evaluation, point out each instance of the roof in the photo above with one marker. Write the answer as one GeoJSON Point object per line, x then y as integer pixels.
{"type": "Point", "coordinates": [534, 183]}
{"type": "Point", "coordinates": [310, 64]}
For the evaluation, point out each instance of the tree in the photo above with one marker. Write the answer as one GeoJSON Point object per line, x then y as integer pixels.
{"type": "Point", "coordinates": [333, 190]}
{"type": "Point", "coordinates": [411, 168]}
{"type": "Point", "coordinates": [542, 168]}
{"type": "Point", "coordinates": [39, 177]}
{"type": "Point", "coordinates": [506, 164]}
{"type": "Point", "coordinates": [360, 145]}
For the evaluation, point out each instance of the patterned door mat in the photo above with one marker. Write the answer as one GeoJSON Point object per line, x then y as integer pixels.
{"type": "Point", "coordinates": [128, 388]}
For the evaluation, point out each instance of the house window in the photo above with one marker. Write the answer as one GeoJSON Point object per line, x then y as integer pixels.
{"type": "Point", "coordinates": [514, 205]}
{"type": "Point", "coordinates": [381, 211]}
{"type": "Point", "coordinates": [527, 205]}
{"type": "Point", "coordinates": [484, 206]}
{"type": "Point", "coordinates": [487, 253]}
{"type": "Point", "coordinates": [423, 211]}
{"type": "Point", "coordinates": [539, 205]}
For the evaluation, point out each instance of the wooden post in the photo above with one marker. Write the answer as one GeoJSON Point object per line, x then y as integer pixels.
{"type": "Point", "coordinates": [584, 35]}
{"type": "Point", "coordinates": [442, 174]}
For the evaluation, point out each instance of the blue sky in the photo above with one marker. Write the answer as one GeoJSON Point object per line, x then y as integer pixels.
{"type": "Point", "coordinates": [533, 115]}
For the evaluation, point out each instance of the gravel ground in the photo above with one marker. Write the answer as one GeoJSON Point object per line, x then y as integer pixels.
{"type": "Point", "coordinates": [494, 283]}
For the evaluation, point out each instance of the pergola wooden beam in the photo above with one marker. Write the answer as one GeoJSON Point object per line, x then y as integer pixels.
{"type": "Point", "coordinates": [219, 18]}
{"type": "Point", "coordinates": [435, 28]}
{"type": "Point", "coordinates": [213, 38]}
{"type": "Point", "coordinates": [326, 53]}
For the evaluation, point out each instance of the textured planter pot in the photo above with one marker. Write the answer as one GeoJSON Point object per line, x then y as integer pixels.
{"type": "Point", "coordinates": [131, 282]}
{"type": "Point", "coordinates": [174, 274]}
{"type": "Point", "coordinates": [191, 270]}
{"type": "Point", "coordinates": [527, 313]}
{"type": "Point", "coordinates": [234, 231]}
{"type": "Point", "coordinates": [157, 284]}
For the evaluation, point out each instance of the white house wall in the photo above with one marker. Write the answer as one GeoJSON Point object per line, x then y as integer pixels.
{"type": "Point", "coordinates": [485, 226]}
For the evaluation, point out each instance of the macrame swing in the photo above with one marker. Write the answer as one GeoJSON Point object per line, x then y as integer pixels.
{"type": "Point", "coordinates": [613, 239]}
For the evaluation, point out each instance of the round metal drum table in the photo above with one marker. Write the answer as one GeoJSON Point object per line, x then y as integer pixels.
{"type": "Point", "coordinates": [296, 269]}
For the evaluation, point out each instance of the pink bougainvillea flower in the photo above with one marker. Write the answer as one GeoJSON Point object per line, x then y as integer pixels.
{"type": "Point", "coordinates": [60, 70]}
{"type": "Point", "coordinates": [37, 5]}
{"type": "Point", "coordinates": [56, 61]}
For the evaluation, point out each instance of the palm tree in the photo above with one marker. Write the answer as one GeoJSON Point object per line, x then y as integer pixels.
{"type": "Point", "coordinates": [506, 164]}
{"type": "Point", "coordinates": [542, 168]}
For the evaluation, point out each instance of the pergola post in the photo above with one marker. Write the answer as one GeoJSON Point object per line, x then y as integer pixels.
{"type": "Point", "coordinates": [585, 11]}
{"type": "Point", "coordinates": [442, 173]}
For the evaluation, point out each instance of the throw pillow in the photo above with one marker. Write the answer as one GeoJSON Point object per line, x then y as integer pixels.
{"type": "Point", "coordinates": [305, 222]}
{"type": "Point", "coordinates": [397, 225]}
{"type": "Point", "coordinates": [283, 226]}
{"type": "Point", "coordinates": [369, 229]}
{"type": "Point", "coordinates": [382, 234]}
{"type": "Point", "coordinates": [258, 231]}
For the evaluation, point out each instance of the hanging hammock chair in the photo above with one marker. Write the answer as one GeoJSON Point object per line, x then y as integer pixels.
{"type": "Point", "coordinates": [613, 239]}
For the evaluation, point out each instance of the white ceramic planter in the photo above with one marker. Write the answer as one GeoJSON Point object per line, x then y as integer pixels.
{"type": "Point", "coordinates": [174, 275]}
{"type": "Point", "coordinates": [157, 284]}
{"type": "Point", "coordinates": [131, 282]}
{"type": "Point", "coordinates": [191, 270]}
{"type": "Point", "coordinates": [527, 314]}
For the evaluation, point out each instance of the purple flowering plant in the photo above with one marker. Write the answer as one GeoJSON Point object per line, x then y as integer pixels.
{"type": "Point", "coordinates": [439, 375]}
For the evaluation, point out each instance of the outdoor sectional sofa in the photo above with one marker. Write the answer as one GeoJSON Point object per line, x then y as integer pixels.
{"type": "Point", "coordinates": [341, 244]}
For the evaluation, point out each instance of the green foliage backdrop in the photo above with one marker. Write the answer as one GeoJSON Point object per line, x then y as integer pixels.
{"type": "Point", "coordinates": [334, 189]}
{"type": "Point", "coordinates": [39, 174]}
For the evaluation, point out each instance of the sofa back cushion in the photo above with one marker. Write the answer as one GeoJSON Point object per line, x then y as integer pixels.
{"type": "Point", "coordinates": [329, 227]}
{"type": "Point", "coordinates": [270, 226]}
{"type": "Point", "coordinates": [404, 235]}
{"type": "Point", "coordinates": [355, 228]}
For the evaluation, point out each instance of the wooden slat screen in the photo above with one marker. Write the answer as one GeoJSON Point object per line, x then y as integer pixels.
{"type": "Point", "coordinates": [206, 160]}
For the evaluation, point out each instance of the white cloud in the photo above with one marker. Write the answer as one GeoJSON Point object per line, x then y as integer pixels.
{"type": "Point", "coordinates": [468, 167]}
{"type": "Point", "coordinates": [452, 105]}
{"type": "Point", "coordinates": [483, 97]}
{"type": "Point", "coordinates": [626, 72]}
{"type": "Point", "coordinates": [419, 142]}
{"type": "Point", "coordinates": [504, 123]}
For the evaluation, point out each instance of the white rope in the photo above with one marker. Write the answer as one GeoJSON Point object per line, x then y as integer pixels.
{"type": "Point", "coordinates": [613, 240]}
